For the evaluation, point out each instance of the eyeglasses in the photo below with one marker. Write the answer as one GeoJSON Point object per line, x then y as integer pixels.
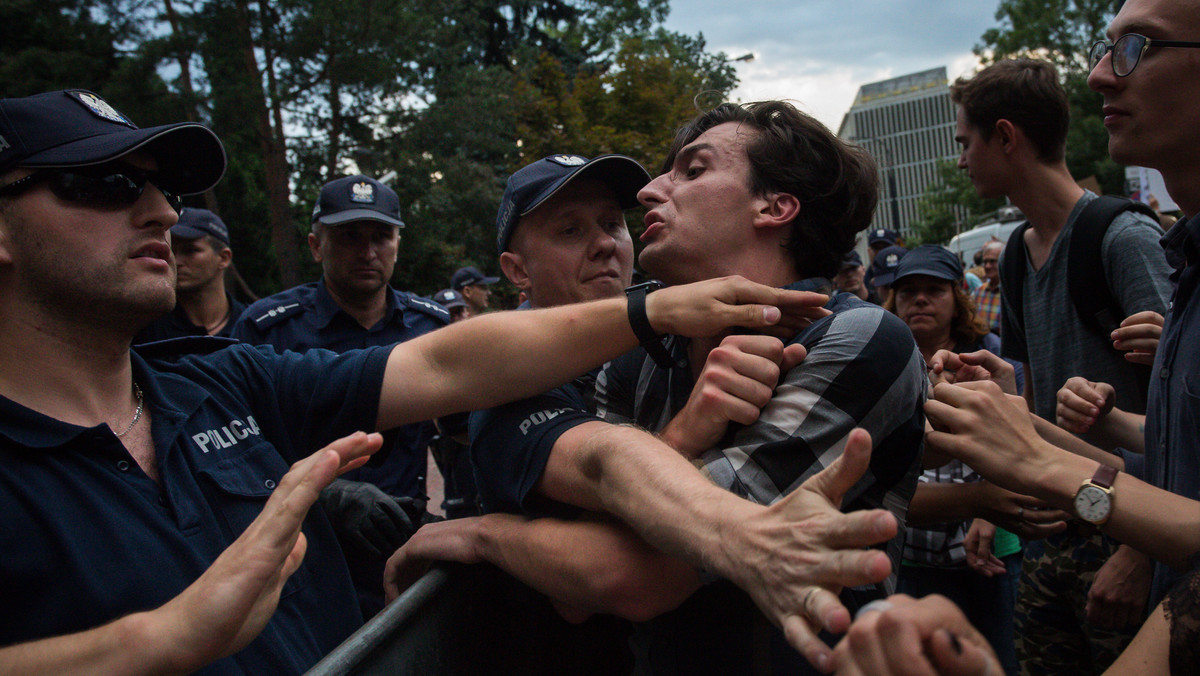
{"type": "Point", "coordinates": [105, 186]}
{"type": "Point", "coordinates": [1127, 51]}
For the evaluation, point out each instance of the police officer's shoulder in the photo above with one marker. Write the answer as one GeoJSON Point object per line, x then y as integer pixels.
{"type": "Point", "coordinates": [180, 347]}
{"type": "Point", "coordinates": [283, 306]}
{"type": "Point", "coordinates": [423, 305]}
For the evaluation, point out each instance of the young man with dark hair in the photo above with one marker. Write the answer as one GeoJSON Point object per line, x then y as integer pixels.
{"type": "Point", "coordinates": [150, 521]}
{"type": "Point", "coordinates": [765, 191]}
{"type": "Point", "coordinates": [1012, 124]}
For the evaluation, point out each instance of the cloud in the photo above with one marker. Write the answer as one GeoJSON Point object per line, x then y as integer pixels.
{"type": "Point", "coordinates": [819, 52]}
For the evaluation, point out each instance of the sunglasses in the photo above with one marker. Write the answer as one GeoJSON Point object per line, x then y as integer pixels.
{"type": "Point", "coordinates": [1127, 51]}
{"type": "Point", "coordinates": [105, 186]}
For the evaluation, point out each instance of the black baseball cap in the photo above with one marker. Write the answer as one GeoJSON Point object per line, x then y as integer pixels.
{"type": "Point", "coordinates": [851, 260]}
{"type": "Point", "coordinates": [196, 223]}
{"type": "Point", "coordinates": [930, 260]}
{"type": "Point", "coordinates": [449, 298]}
{"type": "Point", "coordinates": [881, 235]}
{"type": "Point", "coordinates": [535, 183]}
{"type": "Point", "coordinates": [357, 198]}
{"type": "Point", "coordinates": [77, 128]}
{"type": "Point", "coordinates": [468, 276]}
{"type": "Point", "coordinates": [884, 268]}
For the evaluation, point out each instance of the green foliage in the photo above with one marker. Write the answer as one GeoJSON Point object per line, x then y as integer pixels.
{"type": "Point", "coordinates": [949, 206]}
{"type": "Point", "coordinates": [1062, 31]}
{"type": "Point", "coordinates": [450, 95]}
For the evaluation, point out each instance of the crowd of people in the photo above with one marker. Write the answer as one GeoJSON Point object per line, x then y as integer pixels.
{"type": "Point", "coordinates": [770, 457]}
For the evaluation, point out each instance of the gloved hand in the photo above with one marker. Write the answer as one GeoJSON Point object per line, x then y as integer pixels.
{"type": "Point", "coordinates": [367, 517]}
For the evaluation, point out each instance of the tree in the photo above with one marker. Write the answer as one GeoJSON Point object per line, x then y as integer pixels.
{"type": "Point", "coordinates": [1062, 32]}
{"type": "Point", "coordinates": [949, 206]}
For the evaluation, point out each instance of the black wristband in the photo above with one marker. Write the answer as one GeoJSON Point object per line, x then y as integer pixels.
{"type": "Point", "coordinates": [640, 323]}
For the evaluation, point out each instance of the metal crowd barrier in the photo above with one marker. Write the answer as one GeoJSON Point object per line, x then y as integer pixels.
{"type": "Point", "coordinates": [477, 620]}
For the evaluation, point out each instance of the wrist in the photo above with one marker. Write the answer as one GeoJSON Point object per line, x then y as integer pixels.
{"type": "Point", "coordinates": [145, 641]}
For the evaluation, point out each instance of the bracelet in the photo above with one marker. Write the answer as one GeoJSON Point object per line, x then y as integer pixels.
{"type": "Point", "coordinates": [640, 323]}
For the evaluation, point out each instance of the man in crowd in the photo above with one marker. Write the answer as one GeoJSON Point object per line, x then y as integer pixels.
{"type": "Point", "coordinates": [473, 285]}
{"type": "Point", "coordinates": [454, 303]}
{"type": "Point", "coordinates": [987, 296]}
{"type": "Point", "coordinates": [150, 522]}
{"type": "Point", "coordinates": [355, 237]}
{"type": "Point", "coordinates": [563, 240]}
{"type": "Point", "coordinates": [1012, 126]}
{"type": "Point", "coordinates": [851, 278]}
{"type": "Point", "coordinates": [200, 242]}
{"type": "Point", "coordinates": [1148, 91]}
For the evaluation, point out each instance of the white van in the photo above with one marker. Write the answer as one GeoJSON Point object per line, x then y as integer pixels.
{"type": "Point", "coordinates": [965, 244]}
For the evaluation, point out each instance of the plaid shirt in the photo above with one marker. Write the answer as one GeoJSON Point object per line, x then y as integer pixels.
{"type": "Point", "coordinates": [987, 304]}
{"type": "Point", "coordinates": [863, 370]}
{"type": "Point", "coordinates": [941, 545]}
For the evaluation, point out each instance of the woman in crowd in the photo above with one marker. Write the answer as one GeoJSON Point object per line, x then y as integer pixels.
{"type": "Point", "coordinates": [967, 560]}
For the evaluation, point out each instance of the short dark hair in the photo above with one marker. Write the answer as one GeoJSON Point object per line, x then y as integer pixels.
{"type": "Point", "coordinates": [836, 183]}
{"type": "Point", "coordinates": [1025, 92]}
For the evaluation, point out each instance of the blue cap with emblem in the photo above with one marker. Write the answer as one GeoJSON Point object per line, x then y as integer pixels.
{"type": "Point", "coordinates": [77, 128]}
{"type": "Point", "coordinates": [357, 198]}
{"type": "Point", "coordinates": [881, 236]}
{"type": "Point", "coordinates": [886, 262]}
{"type": "Point", "coordinates": [196, 223]}
{"type": "Point", "coordinates": [931, 260]}
{"type": "Point", "coordinates": [535, 183]}
{"type": "Point", "coordinates": [449, 299]}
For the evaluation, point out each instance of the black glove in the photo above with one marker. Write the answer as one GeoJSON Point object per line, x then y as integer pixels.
{"type": "Point", "coordinates": [367, 517]}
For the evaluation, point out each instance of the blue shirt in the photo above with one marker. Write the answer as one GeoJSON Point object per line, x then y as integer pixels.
{"type": "Point", "coordinates": [175, 324]}
{"type": "Point", "coordinates": [307, 317]}
{"type": "Point", "coordinates": [1173, 406]}
{"type": "Point", "coordinates": [86, 537]}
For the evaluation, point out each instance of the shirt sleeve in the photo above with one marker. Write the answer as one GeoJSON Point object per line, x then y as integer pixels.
{"type": "Point", "coordinates": [615, 386]}
{"type": "Point", "coordinates": [862, 370]}
{"type": "Point", "coordinates": [1135, 265]}
{"type": "Point", "coordinates": [511, 444]}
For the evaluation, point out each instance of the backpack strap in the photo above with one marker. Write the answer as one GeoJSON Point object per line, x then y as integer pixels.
{"type": "Point", "coordinates": [1012, 275]}
{"type": "Point", "coordinates": [1090, 293]}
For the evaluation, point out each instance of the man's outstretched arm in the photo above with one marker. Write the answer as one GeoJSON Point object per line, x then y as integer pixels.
{"type": "Point", "coordinates": [224, 609]}
{"type": "Point", "coordinates": [503, 357]}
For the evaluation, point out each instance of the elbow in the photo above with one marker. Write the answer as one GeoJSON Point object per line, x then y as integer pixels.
{"type": "Point", "coordinates": [640, 595]}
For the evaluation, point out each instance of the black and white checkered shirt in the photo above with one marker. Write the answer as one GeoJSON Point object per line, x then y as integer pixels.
{"type": "Point", "coordinates": [863, 369]}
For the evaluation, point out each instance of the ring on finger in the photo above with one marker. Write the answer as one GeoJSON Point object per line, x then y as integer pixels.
{"type": "Point", "coordinates": [1020, 512]}
{"type": "Point", "coordinates": [807, 598]}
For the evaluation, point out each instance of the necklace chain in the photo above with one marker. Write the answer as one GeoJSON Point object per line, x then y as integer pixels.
{"type": "Point", "coordinates": [137, 415]}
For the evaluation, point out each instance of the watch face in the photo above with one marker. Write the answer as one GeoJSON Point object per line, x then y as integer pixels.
{"type": "Point", "coordinates": [1093, 504]}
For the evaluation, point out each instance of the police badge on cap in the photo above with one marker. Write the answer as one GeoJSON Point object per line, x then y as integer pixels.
{"type": "Point", "coordinates": [99, 107]}
{"type": "Point", "coordinates": [362, 193]}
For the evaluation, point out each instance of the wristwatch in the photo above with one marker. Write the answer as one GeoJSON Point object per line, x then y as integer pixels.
{"type": "Point", "coordinates": [1094, 499]}
{"type": "Point", "coordinates": [640, 323]}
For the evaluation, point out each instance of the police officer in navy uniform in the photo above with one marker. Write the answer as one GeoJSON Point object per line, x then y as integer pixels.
{"type": "Point", "coordinates": [355, 236]}
{"type": "Point", "coordinates": [149, 521]}
{"type": "Point", "coordinates": [204, 307]}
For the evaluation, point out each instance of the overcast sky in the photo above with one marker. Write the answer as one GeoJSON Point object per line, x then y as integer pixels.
{"type": "Point", "coordinates": [817, 53]}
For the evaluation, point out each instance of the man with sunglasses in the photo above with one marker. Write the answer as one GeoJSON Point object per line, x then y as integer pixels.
{"type": "Point", "coordinates": [1012, 127]}
{"type": "Point", "coordinates": [148, 519]}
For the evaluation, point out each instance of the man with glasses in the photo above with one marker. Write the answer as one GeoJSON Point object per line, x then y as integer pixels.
{"type": "Point", "coordinates": [148, 519]}
{"type": "Point", "coordinates": [1012, 126]}
{"type": "Point", "coordinates": [987, 296]}
{"type": "Point", "coordinates": [1149, 76]}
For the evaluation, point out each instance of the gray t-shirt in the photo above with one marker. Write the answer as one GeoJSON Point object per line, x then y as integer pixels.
{"type": "Point", "coordinates": [1056, 344]}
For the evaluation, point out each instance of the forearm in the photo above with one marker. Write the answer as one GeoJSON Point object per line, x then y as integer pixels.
{"type": "Point", "coordinates": [597, 566]}
{"type": "Point", "coordinates": [1163, 525]}
{"type": "Point", "coordinates": [124, 646]}
{"type": "Point", "coordinates": [1067, 441]}
{"type": "Point", "coordinates": [1122, 429]}
{"type": "Point", "coordinates": [499, 357]}
{"type": "Point", "coordinates": [938, 503]}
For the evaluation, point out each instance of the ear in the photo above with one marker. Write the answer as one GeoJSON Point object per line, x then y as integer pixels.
{"type": "Point", "coordinates": [226, 257]}
{"type": "Point", "coordinates": [314, 245]}
{"type": "Point", "coordinates": [776, 210]}
{"type": "Point", "coordinates": [1007, 133]}
{"type": "Point", "coordinates": [513, 265]}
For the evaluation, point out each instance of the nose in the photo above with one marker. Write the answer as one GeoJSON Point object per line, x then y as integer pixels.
{"type": "Point", "coordinates": [1102, 76]}
{"type": "Point", "coordinates": [152, 210]}
{"type": "Point", "coordinates": [962, 159]}
{"type": "Point", "coordinates": [602, 244]}
{"type": "Point", "coordinates": [655, 192]}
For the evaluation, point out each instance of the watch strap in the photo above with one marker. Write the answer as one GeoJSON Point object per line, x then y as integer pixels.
{"type": "Point", "coordinates": [1105, 476]}
{"type": "Point", "coordinates": [640, 323]}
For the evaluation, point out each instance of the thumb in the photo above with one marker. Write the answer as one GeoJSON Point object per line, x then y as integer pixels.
{"type": "Point", "coordinates": [833, 481]}
{"type": "Point", "coordinates": [792, 356]}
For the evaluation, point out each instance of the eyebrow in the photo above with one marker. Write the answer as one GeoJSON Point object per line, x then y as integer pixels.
{"type": "Point", "coordinates": [1137, 26]}
{"type": "Point", "coordinates": [687, 153]}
